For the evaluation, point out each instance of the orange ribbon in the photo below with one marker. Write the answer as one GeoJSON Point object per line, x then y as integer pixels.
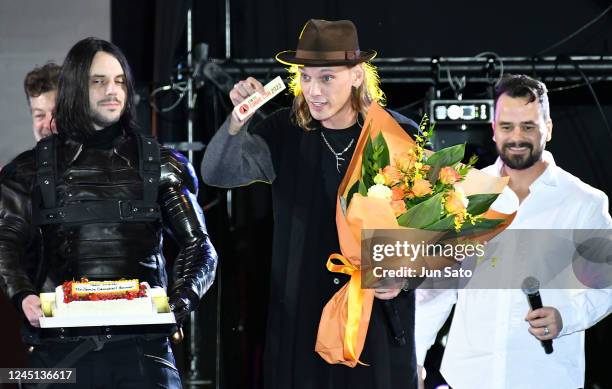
{"type": "Point", "coordinates": [355, 304]}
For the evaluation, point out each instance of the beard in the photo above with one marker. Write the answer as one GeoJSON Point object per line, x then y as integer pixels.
{"type": "Point", "coordinates": [520, 162]}
{"type": "Point", "coordinates": [99, 120]}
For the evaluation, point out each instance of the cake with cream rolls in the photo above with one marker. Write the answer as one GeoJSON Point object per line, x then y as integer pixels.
{"type": "Point", "coordinates": [101, 298]}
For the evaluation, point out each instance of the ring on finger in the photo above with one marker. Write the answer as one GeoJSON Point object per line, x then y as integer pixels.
{"type": "Point", "coordinates": [546, 331]}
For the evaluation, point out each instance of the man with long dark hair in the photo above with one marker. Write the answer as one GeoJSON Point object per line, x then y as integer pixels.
{"type": "Point", "coordinates": [101, 194]}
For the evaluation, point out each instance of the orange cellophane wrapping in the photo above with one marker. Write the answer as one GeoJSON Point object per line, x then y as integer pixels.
{"type": "Point", "coordinates": [345, 317]}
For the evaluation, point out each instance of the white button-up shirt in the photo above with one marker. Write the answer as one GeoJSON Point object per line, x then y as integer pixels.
{"type": "Point", "coordinates": [488, 344]}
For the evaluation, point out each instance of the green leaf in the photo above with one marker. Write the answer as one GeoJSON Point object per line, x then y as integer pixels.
{"type": "Point", "coordinates": [467, 229]}
{"type": "Point", "coordinates": [423, 214]}
{"type": "Point", "coordinates": [448, 156]}
{"type": "Point", "coordinates": [480, 203]}
{"type": "Point", "coordinates": [433, 173]}
{"type": "Point", "coordinates": [367, 173]}
{"type": "Point", "coordinates": [481, 226]}
{"type": "Point", "coordinates": [381, 145]}
{"type": "Point", "coordinates": [445, 224]}
{"type": "Point", "coordinates": [363, 189]}
{"type": "Point", "coordinates": [464, 169]}
{"type": "Point", "coordinates": [368, 181]}
{"type": "Point", "coordinates": [363, 169]}
{"type": "Point", "coordinates": [354, 189]}
{"type": "Point", "coordinates": [368, 151]}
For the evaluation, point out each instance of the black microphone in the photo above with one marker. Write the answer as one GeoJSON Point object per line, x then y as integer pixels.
{"type": "Point", "coordinates": [531, 287]}
{"type": "Point", "coordinates": [393, 318]}
{"type": "Point", "coordinates": [395, 323]}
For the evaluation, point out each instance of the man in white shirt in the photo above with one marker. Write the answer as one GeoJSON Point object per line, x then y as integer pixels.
{"type": "Point", "coordinates": [495, 339]}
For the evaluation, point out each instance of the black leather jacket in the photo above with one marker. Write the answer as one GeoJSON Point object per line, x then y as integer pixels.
{"type": "Point", "coordinates": [109, 250]}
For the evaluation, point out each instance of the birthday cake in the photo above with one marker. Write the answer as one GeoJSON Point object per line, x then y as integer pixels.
{"type": "Point", "coordinates": [99, 298]}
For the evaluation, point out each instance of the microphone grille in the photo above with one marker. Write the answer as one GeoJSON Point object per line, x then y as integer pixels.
{"type": "Point", "coordinates": [530, 285]}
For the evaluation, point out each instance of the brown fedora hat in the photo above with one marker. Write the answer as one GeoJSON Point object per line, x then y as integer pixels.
{"type": "Point", "coordinates": [326, 43]}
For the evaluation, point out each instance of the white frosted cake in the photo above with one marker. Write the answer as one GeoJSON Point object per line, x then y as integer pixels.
{"type": "Point", "coordinates": [102, 298]}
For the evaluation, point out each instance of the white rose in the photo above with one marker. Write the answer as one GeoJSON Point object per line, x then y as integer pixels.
{"type": "Point", "coordinates": [380, 191]}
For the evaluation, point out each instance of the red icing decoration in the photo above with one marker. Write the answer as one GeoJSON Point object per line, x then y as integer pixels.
{"type": "Point", "coordinates": [129, 295]}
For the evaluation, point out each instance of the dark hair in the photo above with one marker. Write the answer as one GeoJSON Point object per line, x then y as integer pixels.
{"type": "Point", "coordinates": [520, 85]}
{"type": "Point", "coordinates": [72, 112]}
{"type": "Point", "coordinates": [41, 80]}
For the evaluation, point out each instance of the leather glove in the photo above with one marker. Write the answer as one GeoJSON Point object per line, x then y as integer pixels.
{"type": "Point", "coordinates": [181, 305]}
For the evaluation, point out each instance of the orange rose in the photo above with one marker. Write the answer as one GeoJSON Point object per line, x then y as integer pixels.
{"type": "Point", "coordinates": [421, 187]}
{"type": "Point", "coordinates": [399, 207]}
{"type": "Point", "coordinates": [405, 161]}
{"type": "Point", "coordinates": [455, 202]}
{"type": "Point", "coordinates": [407, 192]}
{"type": "Point", "coordinates": [397, 193]}
{"type": "Point", "coordinates": [392, 175]}
{"type": "Point", "coordinates": [448, 175]}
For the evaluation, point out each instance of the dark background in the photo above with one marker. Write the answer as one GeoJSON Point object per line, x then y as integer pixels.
{"type": "Point", "coordinates": [154, 41]}
{"type": "Point", "coordinates": [152, 35]}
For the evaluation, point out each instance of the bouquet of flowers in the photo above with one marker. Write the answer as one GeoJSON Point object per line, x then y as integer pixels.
{"type": "Point", "coordinates": [421, 187]}
{"type": "Point", "coordinates": [393, 182]}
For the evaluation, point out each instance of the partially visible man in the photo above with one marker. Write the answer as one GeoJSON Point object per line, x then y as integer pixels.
{"type": "Point", "coordinates": [101, 193]}
{"type": "Point", "coordinates": [40, 87]}
{"type": "Point", "coordinates": [494, 340]}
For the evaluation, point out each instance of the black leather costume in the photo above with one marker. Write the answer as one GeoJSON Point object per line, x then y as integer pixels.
{"type": "Point", "coordinates": [106, 167]}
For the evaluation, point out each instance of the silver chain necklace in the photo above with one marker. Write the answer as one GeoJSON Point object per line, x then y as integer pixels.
{"type": "Point", "coordinates": [338, 156]}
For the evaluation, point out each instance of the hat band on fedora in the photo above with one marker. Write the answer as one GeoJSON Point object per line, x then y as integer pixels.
{"type": "Point", "coordinates": [328, 55]}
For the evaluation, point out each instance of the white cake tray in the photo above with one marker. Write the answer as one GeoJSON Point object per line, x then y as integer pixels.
{"type": "Point", "coordinates": [108, 320]}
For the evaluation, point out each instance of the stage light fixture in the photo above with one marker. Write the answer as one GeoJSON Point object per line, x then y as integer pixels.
{"type": "Point", "coordinates": [461, 111]}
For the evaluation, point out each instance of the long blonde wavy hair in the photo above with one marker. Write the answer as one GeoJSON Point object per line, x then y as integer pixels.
{"type": "Point", "coordinates": [361, 97]}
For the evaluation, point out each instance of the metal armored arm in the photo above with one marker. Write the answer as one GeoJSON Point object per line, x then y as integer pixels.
{"type": "Point", "coordinates": [196, 263]}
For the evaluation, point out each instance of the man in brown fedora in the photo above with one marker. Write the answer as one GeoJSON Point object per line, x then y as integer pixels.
{"type": "Point", "coordinates": [303, 152]}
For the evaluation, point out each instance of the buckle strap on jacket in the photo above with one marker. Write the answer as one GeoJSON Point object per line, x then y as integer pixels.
{"type": "Point", "coordinates": [100, 212]}
{"type": "Point", "coordinates": [149, 166]}
{"type": "Point", "coordinates": [46, 165]}
{"type": "Point", "coordinates": [142, 210]}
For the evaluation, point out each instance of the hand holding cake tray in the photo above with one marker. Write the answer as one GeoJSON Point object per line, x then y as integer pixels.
{"type": "Point", "coordinates": [105, 303]}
